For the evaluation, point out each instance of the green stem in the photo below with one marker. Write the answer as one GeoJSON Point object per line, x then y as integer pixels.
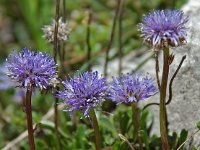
{"type": "Point", "coordinates": [96, 129]}
{"type": "Point", "coordinates": [136, 123]}
{"type": "Point", "coordinates": [29, 118]}
{"type": "Point", "coordinates": [163, 89]}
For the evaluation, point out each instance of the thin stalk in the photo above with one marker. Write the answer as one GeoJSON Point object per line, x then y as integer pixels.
{"type": "Point", "coordinates": [170, 84]}
{"type": "Point", "coordinates": [120, 37]}
{"type": "Point", "coordinates": [88, 39]}
{"type": "Point", "coordinates": [172, 79]}
{"type": "Point", "coordinates": [96, 129]}
{"type": "Point", "coordinates": [163, 89]}
{"type": "Point", "coordinates": [56, 30]}
{"type": "Point", "coordinates": [150, 104]}
{"type": "Point", "coordinates": [64, 10]}
{"type": "Point", "coordinates": [29, 118]}
{"type": "Point", "coordinates": [56, 50]}
{"type": "Point", "coordinates": [111, 37]}
{"type": "Point", "coordinates": [157, 70]}
{"type": "Point", "coordinates": [62, 58]}
{"type": "Point", "coordinates": [136, 123]}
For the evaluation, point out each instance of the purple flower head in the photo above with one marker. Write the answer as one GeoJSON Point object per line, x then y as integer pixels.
{"type": "Point", "coordinates": [164, 28]}
{"type": "Point", "coordinates": [30, 68]}
{"type": "Point", "coordinates": [131, 88]}
{"type": "Point", "coordinates": [83, 92]}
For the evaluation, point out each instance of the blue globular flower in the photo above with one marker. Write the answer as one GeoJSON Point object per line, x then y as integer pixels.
{"type": "Point", "coordinates": [83, 92]}
{"type": "Point", "coordinates": [131, 88]}
{"type": "Point", "coordinates": [164, 28]}
{"type": "Point", "coordinates": [30, 68]}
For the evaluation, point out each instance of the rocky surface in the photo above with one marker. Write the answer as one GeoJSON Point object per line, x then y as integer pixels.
{"type": "Point", "coordinates": [184, 109]}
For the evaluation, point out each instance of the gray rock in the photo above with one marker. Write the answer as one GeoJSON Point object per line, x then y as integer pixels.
{"type": "Point", "coordinates": [184, 109]}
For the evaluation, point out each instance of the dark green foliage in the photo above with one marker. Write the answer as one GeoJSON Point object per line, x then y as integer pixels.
{"type": "Point", "coordinates": [198, 125]}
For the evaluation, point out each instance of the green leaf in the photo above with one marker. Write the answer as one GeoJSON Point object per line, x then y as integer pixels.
{"type": "Point", "coordinates": [174, 140]}
{"type": "Point", "coordinates": [198, 125]}
{"type": "Point", "coordinates": [80, 137]}
{"type": "Point", "coordinates": [183, 137]}
{"type": "Point", "coordinates": [124, 146]}
{"type": "Point", "coordinates": [106, 124]}
{"type": "Point", "coordinates": [124, 119]}
{"type": "Point", "coordinates": [143, 134]}
{"type": "Point", "coordinates": [146, 121]}
{"type": "Point", "coordinates": [155, 143]}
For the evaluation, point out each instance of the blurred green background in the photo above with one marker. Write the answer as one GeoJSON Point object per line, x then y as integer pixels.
{"type": "Point", "coordinates": [20, 26]}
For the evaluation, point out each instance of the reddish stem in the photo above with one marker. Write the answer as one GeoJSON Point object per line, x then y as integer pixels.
{"type": "Point", "coordinates": [29, 118]}
{"type": "Point", "coordinates": [136, 123]}
{"type": "Point", "coordinates": [163, 89]}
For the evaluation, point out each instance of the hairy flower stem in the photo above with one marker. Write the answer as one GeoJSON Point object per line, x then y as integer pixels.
{"type": "Point", "coordinates": [29, 118]}
{"type": "Point", "coordinates": [136, 123]}
{"type": "Point", "coordinates": [163, 89]}
{"type": "Point", "coordinates": [96, 129]}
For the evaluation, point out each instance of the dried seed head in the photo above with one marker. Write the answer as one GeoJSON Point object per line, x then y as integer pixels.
{"type": "Point", "coordinates": [63, 31]}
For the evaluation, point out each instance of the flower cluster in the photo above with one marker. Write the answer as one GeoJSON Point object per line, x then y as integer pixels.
{"type": "Point", "coordinates": [131, 88]}
{"type": "Point", "coordinates": [30, 68]}
{"type": "Point", "coordinates": [83, 92]}
{"type": "Point", "coordinates": [164, 28]}
{"type": "Point", "coordinates": [89, 90]}
{"type": "Point", "coordinates": [63, 31]}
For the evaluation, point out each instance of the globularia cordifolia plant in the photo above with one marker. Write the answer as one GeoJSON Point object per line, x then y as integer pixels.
{"type": "Point", "coordinates": [131, 88]}
{"type": "Point", "coordinates": [164, 29]}
{"type": "Point", "coordinates": [30, 70]}
{"type": "Point", "coordinates": [84, 93]}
